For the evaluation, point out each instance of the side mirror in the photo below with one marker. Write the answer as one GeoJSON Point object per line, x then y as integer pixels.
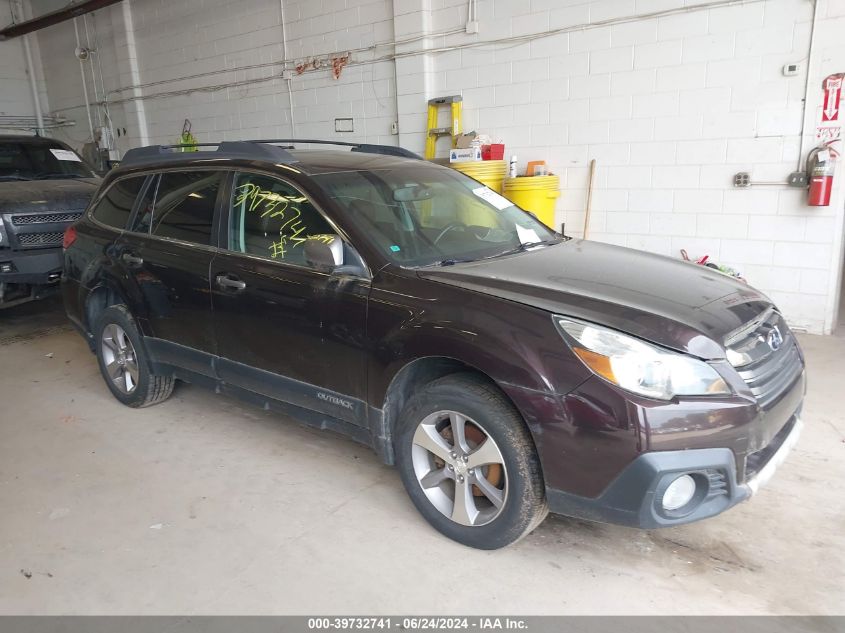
{"type": "Point", "coordinates": [324, 252]}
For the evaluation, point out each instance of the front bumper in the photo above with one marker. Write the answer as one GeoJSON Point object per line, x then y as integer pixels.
{"type": "Point", "coordinates": [634, 497]}
{"type": "Point", "coordinates": [36, 267]}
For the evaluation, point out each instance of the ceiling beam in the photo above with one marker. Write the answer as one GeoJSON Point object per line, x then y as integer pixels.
{"type": "Point", "coordinates": [54, 17]}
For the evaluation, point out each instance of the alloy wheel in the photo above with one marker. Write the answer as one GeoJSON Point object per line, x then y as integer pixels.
{"type": "Point", "coordinates": [119, 358]}
{"type": "Point", "coordinates": [460, 468]}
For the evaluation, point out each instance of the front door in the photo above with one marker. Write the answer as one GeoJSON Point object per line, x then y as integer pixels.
{"type": "Point", "coordinates": [284, 329]}
{"type": "Point", "coordinates": [166, 255]}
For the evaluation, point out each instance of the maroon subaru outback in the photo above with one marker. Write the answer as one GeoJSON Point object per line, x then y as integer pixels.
{"type": "Point", "coordinates": [505, 369]}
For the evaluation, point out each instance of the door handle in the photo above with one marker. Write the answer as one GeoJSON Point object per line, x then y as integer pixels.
{"type": "Point", "coordinates": [131, 259]}
{"type": "Point", "coordinates": [228, 281]}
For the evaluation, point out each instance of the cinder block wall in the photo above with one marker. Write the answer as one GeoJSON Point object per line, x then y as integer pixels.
{"type": "Point", "coordinates": [15, 93]}
{"type": "Point", "coordinates": [671, 106]}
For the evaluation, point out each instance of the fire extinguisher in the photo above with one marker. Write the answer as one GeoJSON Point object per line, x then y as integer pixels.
{"type": "Point", "coordinates": [821, 164]}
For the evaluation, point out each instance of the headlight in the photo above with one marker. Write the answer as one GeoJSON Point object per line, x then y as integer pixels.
{"type": "Point", "coordinates": [640, 367]}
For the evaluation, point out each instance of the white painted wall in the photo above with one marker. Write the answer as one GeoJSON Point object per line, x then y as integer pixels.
{"type": "Point", "coordinates": [175, 40]}
{"type": "Point", "coordinates": [15, 93]}
{"type": "Point", "coordinates": [671, 107]}
{"type": "Point", "coordinates": [103, 71]}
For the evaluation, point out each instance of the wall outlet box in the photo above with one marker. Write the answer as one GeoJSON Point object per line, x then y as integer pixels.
{"type": "Point", "coordinates": [742, 179]}
{"type": "Point", "coordinates": [344, 125]}
{"type": "Point", "coordinates": [464, 155]}
{"type": "Point", "coordinates": [394, 128]}
{"type": "Point", "coordinates": [287, 74]}
{"type": "Point", "coordinates": [472, 27]}
{"type": "Point", "coordinates": [790, 70]}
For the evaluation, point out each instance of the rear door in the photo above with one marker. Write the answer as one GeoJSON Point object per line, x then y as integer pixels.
{"type": "Point", "coordinates": [92, 259]}
{"type": "Point", "coordinates": [284, 329]}
{"type": "Point", "coordinates": [166, 255]}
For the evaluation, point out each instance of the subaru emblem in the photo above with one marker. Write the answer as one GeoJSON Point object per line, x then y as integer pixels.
{"type": "Point", "coordinates": [774, 339]}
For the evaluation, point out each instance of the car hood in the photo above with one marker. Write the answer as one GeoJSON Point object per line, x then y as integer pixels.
{"type": "Point", "coordinates": [34, 196]}
{"type": "Point", "coordinates": [670, 302]}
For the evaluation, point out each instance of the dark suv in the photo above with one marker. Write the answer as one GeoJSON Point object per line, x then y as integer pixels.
{"type": "Point", "coordinates": [505, 369]}
{"type": "Point", "coordinates": [44, 186]}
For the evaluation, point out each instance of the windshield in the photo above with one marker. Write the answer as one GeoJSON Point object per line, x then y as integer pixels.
{"type": "Point", "coordinates": [419, 216]}
{"type": "Point", "coordinates": [39, 161]}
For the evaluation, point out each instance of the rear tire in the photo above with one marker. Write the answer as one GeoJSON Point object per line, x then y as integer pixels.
{"type": "Point", "coordinates": [124, 363]}
{"type": "Point", "coordinates": [469, 464]}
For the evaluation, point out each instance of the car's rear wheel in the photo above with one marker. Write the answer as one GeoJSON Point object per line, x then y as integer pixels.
{"type": "Point", "coordinates": [469, 464]}
{"type": "Point", "coordinates": [123, 363]}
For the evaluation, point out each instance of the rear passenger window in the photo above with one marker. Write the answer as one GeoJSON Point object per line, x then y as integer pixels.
{"type": "Point", "coordinates": [114, 208]}
{"type": "Point", "coordinates": [184, 205]}
{"type": "Point", "coordinates": [271, 218]}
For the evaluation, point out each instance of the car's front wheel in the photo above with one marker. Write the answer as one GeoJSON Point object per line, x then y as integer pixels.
{"type": "Point", "coordinates": [469, 464]}
{"type": "Point", "coordinates": [122, 360]}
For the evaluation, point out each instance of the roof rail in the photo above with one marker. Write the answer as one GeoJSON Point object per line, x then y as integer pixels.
{"type": "Point", "coordinates": [368, 148]}
{"type": "Point", "coordinates": [225, 149]}
{"type": "Point", "coordinates": [267, 149]}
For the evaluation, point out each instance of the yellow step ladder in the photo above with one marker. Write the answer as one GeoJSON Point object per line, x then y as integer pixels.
{"type": "Point", "coordinates": [434, 132]}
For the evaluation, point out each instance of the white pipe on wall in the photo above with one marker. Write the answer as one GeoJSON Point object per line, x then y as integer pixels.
{"type": "Point", "coordinates": [93, 76]}
{"type": "Point", "coordinates": [285, 60]}
{"type": "Point", "coordinates": [33, 85]}
{"type": "Point", "coordinates": [811, 58]}
{"type": "Point", "coordinates": [17, 10]}
{"type": "Point", "coordinates": [135, 73]}
{"type": "Point", "coordinates": [84, 82]}
{"type": "Point", "coordinates": [99, 68]}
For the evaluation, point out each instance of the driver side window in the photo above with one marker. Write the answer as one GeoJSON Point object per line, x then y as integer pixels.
{"type": "Point", "coordinates": [271, 218]}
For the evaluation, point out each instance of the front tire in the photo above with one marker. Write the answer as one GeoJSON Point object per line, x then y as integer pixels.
{"type": "Point", "coordinates": [123, 361]}
{"type": "Point", "coordinates": [469, 463]}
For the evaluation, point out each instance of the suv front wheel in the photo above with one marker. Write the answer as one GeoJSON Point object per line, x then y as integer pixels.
{"type": "Point", "coordinates": [468, 463]}
{"type": "Point", "coordinates": [123, 363]}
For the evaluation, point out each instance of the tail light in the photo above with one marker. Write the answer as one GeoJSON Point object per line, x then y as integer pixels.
{"type": "Point", "coordinates": [69, 237]}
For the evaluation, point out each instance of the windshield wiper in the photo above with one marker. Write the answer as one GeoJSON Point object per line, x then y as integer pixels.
{"type": "Point", "coordinates": [522, 247]}
{"type": "Point", "coordinates": [525, 246]}
{"type": "Point", "coordinates": [449, 262]}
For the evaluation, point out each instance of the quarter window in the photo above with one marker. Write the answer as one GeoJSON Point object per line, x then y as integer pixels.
{"type": "Point", "coordinates": [184, 205]}
{"type": "Point", "coordinates": [144, 214]}
{"type": "Point", "coordinates": [272, 219]}
{"type": "Point", "coordinates": [116, 205]}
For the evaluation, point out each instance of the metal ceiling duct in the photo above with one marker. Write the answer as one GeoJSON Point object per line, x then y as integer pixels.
{"type": "Point", "coordinates": [54, 17]}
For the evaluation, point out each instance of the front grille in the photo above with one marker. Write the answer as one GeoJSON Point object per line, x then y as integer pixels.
{"type": "Point", "coordinates": [773, 375]}
{"type": "Point", "coordinates": [40, 240]}
{"type": "Point", "coordinates": [754, 462]}
{"type": "Point", "coordinates": [46, 218]}
{"type": "Point", "coordinates": [767, 372]}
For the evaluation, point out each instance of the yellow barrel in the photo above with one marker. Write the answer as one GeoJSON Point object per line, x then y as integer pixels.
{"type": "Point", "coordinates": [490, 172]}
{"type": "Point", "coordinates": [537, 194]}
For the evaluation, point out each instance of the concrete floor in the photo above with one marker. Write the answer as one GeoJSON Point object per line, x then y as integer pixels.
{"type": "Point", "coordinates": [203, 505]}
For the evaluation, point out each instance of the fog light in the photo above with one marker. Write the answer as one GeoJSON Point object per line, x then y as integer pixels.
{"type": "Point", "coordinates": [679, 493]}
